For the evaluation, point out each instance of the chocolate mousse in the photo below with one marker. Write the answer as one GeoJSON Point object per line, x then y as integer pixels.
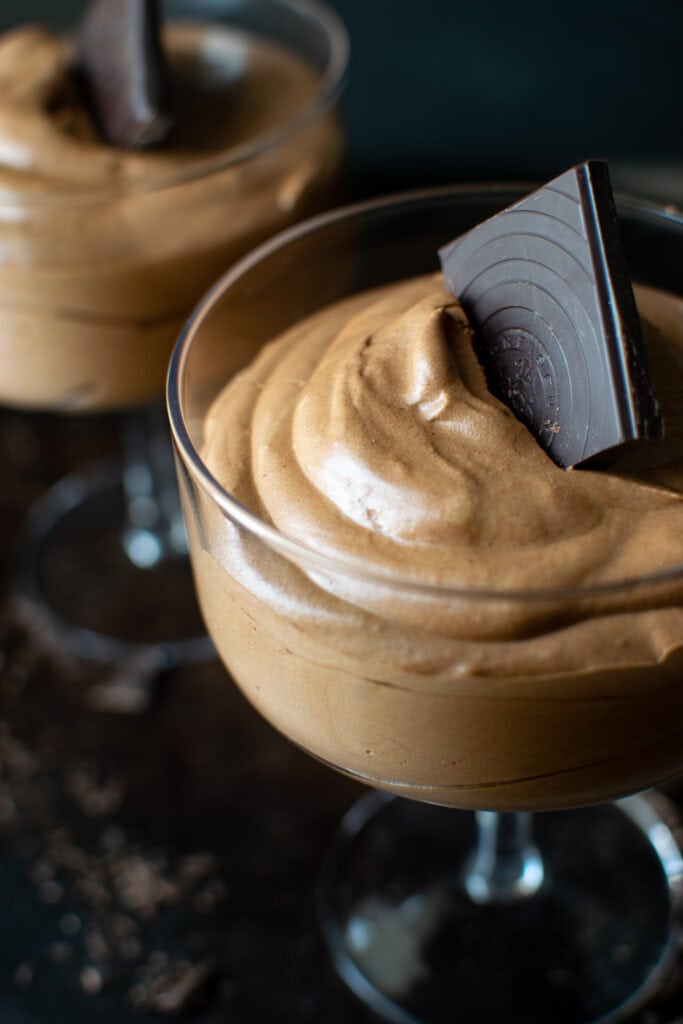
{"type": "Point", "coordinates": [105, 250]}
{"type": "Point", "coordinates": [367, 434]}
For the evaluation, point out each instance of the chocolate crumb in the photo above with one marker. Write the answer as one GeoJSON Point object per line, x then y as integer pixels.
{"type": "Point", "coordinates": [92, 981]}
{"type": "Point", "coordinates": [96, 797]}
{"type": "Point", "coordinates": [141, 885]}
{"type": "Point", "coordinates": [181, 988]}
{"type": "Point", "coordinates": [195, 867]}
{"type": "Point", "coordinates": [97, 946]}
{"type": "Point", "coordinates": [42, 871]}
{"type": "Point", "coordinates": [51, 892]}
{"type": "Point", "coordinates": [131, 948]}
{"type": "Point", "coordinates": [70, 925]}
{"type": "Point", "coordinates": [24, 974]}
{"type": "Point", "coordinates": [60, 953]}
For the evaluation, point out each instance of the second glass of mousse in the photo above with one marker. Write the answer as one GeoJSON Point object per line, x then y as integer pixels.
{"type": "Point", "coordinates": [402, 581]}
{"type": "Point", "coordinates": [105, 250]}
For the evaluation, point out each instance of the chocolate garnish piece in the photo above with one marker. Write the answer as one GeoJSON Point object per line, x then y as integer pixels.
{"type": "Point", "coordinates": [547, 290]}
{"type": "Point", "coordinates": [122, 63]}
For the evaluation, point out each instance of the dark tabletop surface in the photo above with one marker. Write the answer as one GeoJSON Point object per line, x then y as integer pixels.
{"type": "Point", "coordinates": [162, 862]}
{"type": "Point", "coordinates": [135, 845]}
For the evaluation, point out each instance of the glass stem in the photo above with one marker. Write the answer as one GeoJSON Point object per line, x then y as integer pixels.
{"type": "Point", "coordinates": [154, 528]}
{"type": "Point", "coordinates": [506, 866]}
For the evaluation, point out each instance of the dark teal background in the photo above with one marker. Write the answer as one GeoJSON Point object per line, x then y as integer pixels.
{"type": "Point", "coordinates": [444, 89]}
{"type": "Point", "coordinates": [448, 90]}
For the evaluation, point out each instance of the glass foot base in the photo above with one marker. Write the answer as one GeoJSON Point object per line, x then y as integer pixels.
{"type": "Point", "coordinates": [593, 944]}
{"type": "Point", "coordinates": [77, 586]}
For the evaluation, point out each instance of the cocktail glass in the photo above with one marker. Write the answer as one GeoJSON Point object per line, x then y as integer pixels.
{"type": "Point", "coordinates": [459, 903]}
{"type": "Point", "coordinates": [95, 284]}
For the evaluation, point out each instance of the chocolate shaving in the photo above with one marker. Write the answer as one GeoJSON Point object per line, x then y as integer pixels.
{"type": "Point", "coordinates": [175, 991]}
{"type": "Point", "coordinates": [121, 62]}
{"type": "Point", "coordinates": [546, 287]}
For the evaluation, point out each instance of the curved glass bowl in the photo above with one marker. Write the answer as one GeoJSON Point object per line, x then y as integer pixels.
{"type": "Point", "coordinates": [100, 268]}
{"type": "Point", "coordinates": [104, 252]}
{"type": "Point", "coordinates": [348, 677]}
{"type": "Point", "coordinates": [499, 700]}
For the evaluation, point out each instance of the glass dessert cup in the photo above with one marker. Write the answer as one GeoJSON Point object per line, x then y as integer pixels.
{"type": "Point", "coordinates": [432, 912]}
{"type": "Point", "coordinates": [97, 277]}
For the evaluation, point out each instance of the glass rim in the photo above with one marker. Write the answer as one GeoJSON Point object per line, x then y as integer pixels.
{"type": "Point", "coordinates": [329, 87]}
{"type": "Point", "coordinates": [296, 550]}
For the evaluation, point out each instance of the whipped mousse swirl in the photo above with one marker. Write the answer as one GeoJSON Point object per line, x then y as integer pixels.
{"type": "Point", "coordinates": [367, 432]}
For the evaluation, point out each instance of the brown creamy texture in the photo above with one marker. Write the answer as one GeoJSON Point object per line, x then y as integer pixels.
{"type": "Point", "coordinates": [368, 433]}
{"type": "Point", "coordinates": [105, 251]}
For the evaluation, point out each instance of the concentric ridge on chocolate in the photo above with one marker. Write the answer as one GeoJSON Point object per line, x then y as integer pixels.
{"type": "Point", "coordinates": [546, 286]}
